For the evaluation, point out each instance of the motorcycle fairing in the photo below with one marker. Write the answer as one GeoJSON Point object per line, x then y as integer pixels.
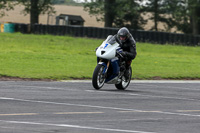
{"type": "Point", "coordinates": [115, 71]}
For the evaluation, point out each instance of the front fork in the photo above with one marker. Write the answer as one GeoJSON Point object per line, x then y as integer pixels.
{"type": "Point", "coordinates": [106, 65]}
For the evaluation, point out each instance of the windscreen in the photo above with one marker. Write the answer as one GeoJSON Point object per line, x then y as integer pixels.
{"type": "Point", "coordinates": [112, 40]}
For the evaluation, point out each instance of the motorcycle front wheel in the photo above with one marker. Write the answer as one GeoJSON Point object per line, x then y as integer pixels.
{"type": "Point", "coordinates": [99, 77]}
{"type": "Point", "coordinates": [125, 82]}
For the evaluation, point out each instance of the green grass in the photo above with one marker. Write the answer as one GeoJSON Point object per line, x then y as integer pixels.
{"type": "Point", "coordinates": [167, 61]}
{"type": "Point", "coordinates": [63, 57]}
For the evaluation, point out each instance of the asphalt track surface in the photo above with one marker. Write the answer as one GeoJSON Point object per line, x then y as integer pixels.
{"type": "Point", "coordinates": [75, 107]}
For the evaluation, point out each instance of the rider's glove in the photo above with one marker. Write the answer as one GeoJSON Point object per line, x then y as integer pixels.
{"type": "Point", "coordinates": [119, 50]}
{"type": "Point", "coordinates": [123, 54]}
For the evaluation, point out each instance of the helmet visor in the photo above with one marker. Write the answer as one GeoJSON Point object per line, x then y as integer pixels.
{"type": "Point", "coordinates": [122, 37]}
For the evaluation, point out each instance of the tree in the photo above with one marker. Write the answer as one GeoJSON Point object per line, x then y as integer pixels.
{"type": "Point", "coordinates": [153, 7]}
{"type": "Point", "coordinates": [104, 10]}
{"type": "Point", "coordinates": [5, 5]}
{"type": "Point", "coordinates": [159, 9]}
{"type": "Point", "coordinates": [129, 14]}
{"type": "Point", "coordinates": [194, 9]}
{"type": "Point", "coordinates": [37, 7]}
{"type": "Point", "coordinates": [109, 8]}
{"type": "Point", "coordinates": [116, 13]}
{"type": "Point", "coordinates": [185, 16]}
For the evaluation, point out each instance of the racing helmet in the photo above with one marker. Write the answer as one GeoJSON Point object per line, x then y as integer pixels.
{"type": "Point", "coordinates": [123, 34]}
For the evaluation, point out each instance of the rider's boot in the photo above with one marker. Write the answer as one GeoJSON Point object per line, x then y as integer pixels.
{"type": "Point", "coordinates": [126, 74]}
{"type": "Point", "coordinates": [122, 68]}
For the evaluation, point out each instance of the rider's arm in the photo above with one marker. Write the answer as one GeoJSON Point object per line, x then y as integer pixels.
{"type": "Point", "coordinates": [132, 54]}
{"type": "Point", "coordinates": [132, 48]}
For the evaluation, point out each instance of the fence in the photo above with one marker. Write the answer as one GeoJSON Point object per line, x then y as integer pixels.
{"type": "Point", "coordinates": [102, 33]}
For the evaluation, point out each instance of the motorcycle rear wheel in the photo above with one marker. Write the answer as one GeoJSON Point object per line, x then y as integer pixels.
{"type": "Point", "coordinates": [125, 82]}
{"type": "Point", "coordinates": [98, 78]}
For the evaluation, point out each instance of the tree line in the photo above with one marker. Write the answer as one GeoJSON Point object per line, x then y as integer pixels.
{"type": "Point", "coordinates": [32, 7]}
{"type": "Point", "coordinates": [184, 15]}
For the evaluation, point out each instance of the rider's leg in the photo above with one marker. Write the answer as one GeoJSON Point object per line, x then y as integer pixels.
{"type": "Point", "coordinates": [126, 73]}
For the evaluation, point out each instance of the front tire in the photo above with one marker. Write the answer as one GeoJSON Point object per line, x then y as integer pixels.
{"type": "Point", "coordinates": [125, 82]}
{"type": "Point", "coordinates": [99, 77]}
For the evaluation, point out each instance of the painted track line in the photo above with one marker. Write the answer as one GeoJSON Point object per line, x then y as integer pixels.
{"type": "Point", "coordinates": [168, 86]}
{"type": "Point", "coordinates": [100, 107]}
{"type": "Point", "coordinates": [74, 126]}
{"type": "Point", "coordinates": [142, 95]}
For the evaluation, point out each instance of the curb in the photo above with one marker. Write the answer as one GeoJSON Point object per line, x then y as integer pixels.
{"type": "Point", "coordinates": [139, 81]}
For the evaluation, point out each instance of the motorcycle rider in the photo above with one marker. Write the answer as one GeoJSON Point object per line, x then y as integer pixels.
{"type": "Point", "coordinates": [128, 45]}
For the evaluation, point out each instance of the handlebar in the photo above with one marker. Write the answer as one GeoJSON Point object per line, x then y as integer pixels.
{"type": "Point", "coordinates": [118, 52]}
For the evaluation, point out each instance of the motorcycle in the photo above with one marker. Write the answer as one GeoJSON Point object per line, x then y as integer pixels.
{"type": "Point", "coordinates": [111, 67]}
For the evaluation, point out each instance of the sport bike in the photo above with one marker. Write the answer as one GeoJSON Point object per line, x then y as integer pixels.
{"type": "Point", "coordinates": [111, 68]}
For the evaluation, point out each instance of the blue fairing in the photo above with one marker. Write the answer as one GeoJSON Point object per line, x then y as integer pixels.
{"type": "Point", "coordinates": [116, 69]}
{"type": "Point", "coordinates": [115, 66]}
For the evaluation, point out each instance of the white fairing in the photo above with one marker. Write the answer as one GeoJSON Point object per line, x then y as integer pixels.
{"type": "Point", "coordinates": [107, 50]}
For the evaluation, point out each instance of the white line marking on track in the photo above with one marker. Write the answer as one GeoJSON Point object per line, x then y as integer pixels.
{"type": "Point", "coordinates": [100, 107]}
{"type": "Point", "coordinates": [140, 111]}
{"type": "Point", "coordinates": [165, 81]}
{"type": "Point", "coordinates": [169, 87]}
{"type": "Point", "coordinates": [19, 114]}
{"type": "Point", "coordinates": [45, 87]}
{"type": "Point", "coordinates": [75, 126]}
{"type": "Point", "coordinates": [68, 104]}
{"type": "Point", "coordinates": [141, 95]}
{"type": "Point", "coordinates": [63, 113]}
{"type": "Point", "coordinates": [188, 110]}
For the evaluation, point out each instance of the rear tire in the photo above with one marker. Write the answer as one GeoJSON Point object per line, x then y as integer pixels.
{"type": "Point", "coordinates": [125, 82]}
{"type": "Point", "coordinates": [98, 78]}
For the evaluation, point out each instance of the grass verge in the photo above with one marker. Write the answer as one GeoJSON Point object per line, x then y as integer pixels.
{"type": "Point", "coordinates": [64, 57]}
